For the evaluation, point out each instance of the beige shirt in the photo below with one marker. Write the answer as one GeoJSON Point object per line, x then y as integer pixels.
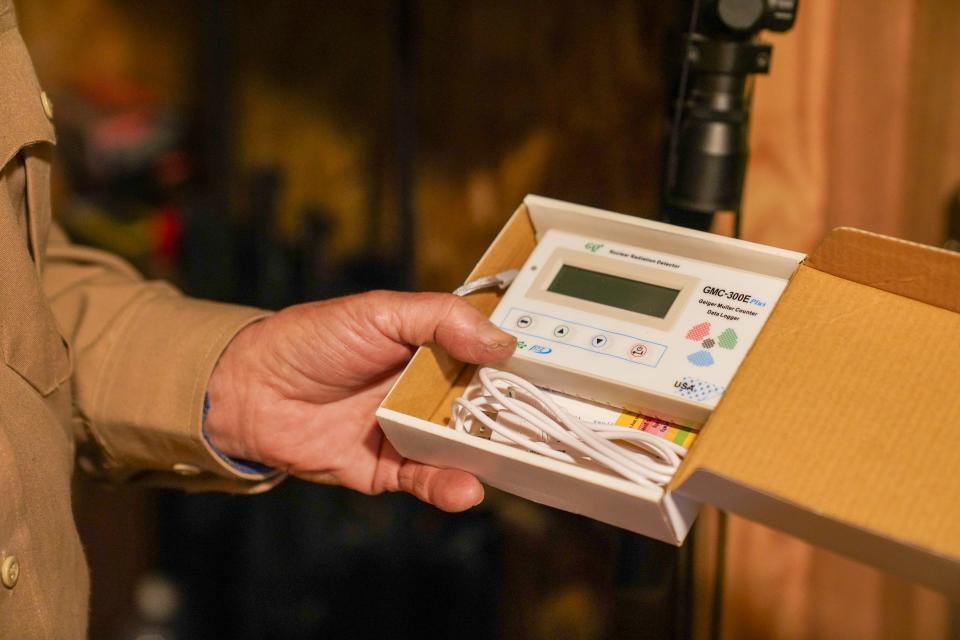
{"type": "Point", "coordinates": [96, 365]}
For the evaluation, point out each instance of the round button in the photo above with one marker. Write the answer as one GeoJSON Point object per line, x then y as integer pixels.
{"type": "Point", "coordinates": [638, 350]}
{"type": "Point", "coordinates": [87, 465]}
{"type": "Point", "coordinates": [10, 571]}
{"type": "Point", "coordinates": [524, 321]}
{"type": "Point", "coordinates": [598, 341]}
{"type": "Point", "coordinates": [47, 105]}
{"type": "Point", "coordinates": [562, 331]}
{"type": "Point", "coordinates": [186, 469]}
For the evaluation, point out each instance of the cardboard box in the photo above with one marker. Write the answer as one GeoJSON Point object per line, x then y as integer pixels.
{"type": "Point", "coordinates": [842, 426]}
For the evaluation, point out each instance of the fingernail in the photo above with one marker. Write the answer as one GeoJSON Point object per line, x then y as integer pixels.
{"type": "Point", "coordinates": [494, 338]}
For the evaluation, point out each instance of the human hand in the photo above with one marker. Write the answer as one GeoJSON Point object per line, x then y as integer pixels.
{"type": "Point", "coordinates": [298, 390]}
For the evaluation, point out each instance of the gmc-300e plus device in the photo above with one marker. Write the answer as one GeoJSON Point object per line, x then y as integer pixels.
{"type": "Point", "coordinates": [635, 327]}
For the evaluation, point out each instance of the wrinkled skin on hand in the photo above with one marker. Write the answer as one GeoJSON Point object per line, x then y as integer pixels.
{"type": "Point", "coordinates": [298, 390]}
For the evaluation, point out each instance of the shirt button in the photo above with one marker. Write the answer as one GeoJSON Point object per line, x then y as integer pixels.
{"type": "Point", "coordinates": [87, 465]}
{"type": "Point", "coordinates": [185, 469]}
{"type": "Point", "coordinates": [10, 571]}
{"type": "Point", "coordinates": [47, 105]}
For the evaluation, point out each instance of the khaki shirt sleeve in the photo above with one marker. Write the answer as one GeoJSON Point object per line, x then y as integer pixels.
{"type": "Point", "coordinates": [142, 355]}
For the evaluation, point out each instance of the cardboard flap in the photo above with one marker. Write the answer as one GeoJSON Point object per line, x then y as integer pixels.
{"type": "Point", "coordinates": [847, 408]}
{"type": "Point", "coordinates": [911, 270]}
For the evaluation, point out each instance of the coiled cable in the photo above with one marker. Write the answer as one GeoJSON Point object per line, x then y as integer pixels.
{"type": "Point", "coordinates": [552, 431]}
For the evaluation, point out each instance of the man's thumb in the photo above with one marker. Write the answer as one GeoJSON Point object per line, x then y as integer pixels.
{"type": "Point", "coordinates": [449, 321]}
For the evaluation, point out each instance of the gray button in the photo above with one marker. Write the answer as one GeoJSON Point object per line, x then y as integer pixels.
{"type": "Point", "coordinates": [562, 331]}
{"type": "Point", "coordinates": [524, 321]}
{"type": "Point", "coordinates": [598, 341]}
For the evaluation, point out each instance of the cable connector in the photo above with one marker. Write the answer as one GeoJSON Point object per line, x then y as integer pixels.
{"type": "Point", "coordinates": [501, 281]}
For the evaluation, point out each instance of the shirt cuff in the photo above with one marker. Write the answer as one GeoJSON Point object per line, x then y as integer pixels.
{"type": "Point", "coordinates": [243, 466]}
{"type": "Point", "coordinates": [144, 400]}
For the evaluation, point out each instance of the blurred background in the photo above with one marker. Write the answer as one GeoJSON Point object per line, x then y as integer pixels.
{"type": "Point", "coordinates": [270, 153]}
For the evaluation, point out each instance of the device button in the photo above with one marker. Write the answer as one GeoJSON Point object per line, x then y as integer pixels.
{"type": "Point", "coordinates": [638, 350]}
{"type": "Point", "coordinates": [562, 331]}
{"type": "Point", "coordinates": [598, 341]}
{"type": "Point", "coordinates": [700, 359]}
{"type": "Point", "coordinates": [699, 331]}
{"type": "Point", "coordinates": [524, 321]}
{"type": "Point", "coordinates": [727, 339]}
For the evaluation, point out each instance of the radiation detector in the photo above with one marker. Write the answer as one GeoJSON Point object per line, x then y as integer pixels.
{"type": "Point", "coordinates": [633, 326]}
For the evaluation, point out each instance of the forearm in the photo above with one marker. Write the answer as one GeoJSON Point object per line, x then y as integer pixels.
{"type": "Point", "coordinates": [142, 357]}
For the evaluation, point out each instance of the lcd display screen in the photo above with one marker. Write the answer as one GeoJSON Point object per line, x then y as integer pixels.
{"type": "Point", "coordinates": [614, 291]}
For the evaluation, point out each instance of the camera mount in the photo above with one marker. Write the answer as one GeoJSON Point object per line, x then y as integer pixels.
{"type": "Point", "coordinates": [708, 146]}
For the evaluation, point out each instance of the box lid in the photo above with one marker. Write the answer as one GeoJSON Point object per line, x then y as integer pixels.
{"type": "Point", "coordinates": [842, 425]}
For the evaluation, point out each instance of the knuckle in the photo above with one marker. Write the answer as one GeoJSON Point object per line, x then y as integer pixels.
{"type": "Point", "coordinates": [405, 478]}
{"type": "Point", "coordinates": [415, 479]}
{"type": "Point", "coordinates": [422, 484]}
{"type": "Point", "coordinates": [449, 304]}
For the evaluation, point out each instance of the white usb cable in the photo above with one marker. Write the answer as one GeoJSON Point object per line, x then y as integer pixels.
{"type": "Point", "coordinates": [501, 281]}
{"type": "Point", "coordinates": [529, 418]}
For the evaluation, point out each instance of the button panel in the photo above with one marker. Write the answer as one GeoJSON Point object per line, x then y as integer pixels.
{"type": "Point", "coordinates": [559, 331]}
{"type": "Point", "coordinates": [575, 344]}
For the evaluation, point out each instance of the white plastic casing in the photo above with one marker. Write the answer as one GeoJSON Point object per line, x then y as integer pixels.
{"type": "Point", "coordinates": [675, 367]}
